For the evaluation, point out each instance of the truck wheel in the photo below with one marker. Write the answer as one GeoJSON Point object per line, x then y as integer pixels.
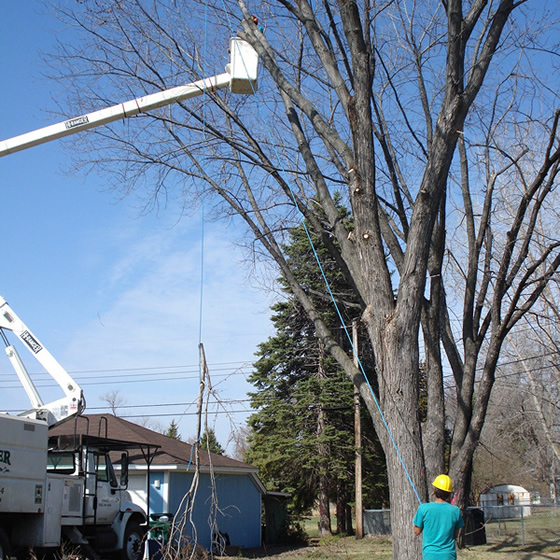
{"type": "Point", "coordinates": [133, 545]}
{"type": "Point", "coordinates": [4, 546]}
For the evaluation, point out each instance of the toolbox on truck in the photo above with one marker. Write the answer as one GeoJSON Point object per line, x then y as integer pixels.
{"type": "Point", "coordinates": [23, 464]}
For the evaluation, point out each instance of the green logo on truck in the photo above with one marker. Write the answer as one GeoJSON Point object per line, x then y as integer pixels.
{"type": "Point", "coordinates": [4, 460]}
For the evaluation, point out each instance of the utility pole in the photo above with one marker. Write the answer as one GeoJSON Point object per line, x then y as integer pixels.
{"type": "Point", "coordinates": [358, 441]}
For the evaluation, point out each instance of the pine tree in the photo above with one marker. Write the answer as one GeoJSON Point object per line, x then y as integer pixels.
{"type": "Point", "coordinates": [173, 430]}
{"type": "Point", "coordinates": [302, 435]}
{"type": "Point", "coordinates": [209, 442]}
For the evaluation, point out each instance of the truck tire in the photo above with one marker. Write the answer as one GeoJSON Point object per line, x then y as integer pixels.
{"type": "Point", "coordinates": [5, 550]}
{"type": "Point", "coordinates": [133, 543]}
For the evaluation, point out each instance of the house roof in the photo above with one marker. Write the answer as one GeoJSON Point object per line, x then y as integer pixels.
{"type": "Point", "coordinates": [504, 488]}
{"type": "Point", "coordinates": [163, 451]}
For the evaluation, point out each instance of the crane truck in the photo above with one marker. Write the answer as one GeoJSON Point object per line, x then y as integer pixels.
{"type": "Point", "coordinates": [65, 488]}
{"type": "Point", "coordinates": [55, 489]}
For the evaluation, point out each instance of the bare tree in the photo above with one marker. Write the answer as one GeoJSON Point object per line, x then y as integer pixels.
{"type": "Point", "coordinates": [419, 114]}
{"type": "Point", "coordinates": [525, 400]}
{"type": "Point", "coordinates": [238, 438]}
{"type": "Point", "coordinates": [115, 401]}
{"type": "Point", "coordinates": [518, 442]}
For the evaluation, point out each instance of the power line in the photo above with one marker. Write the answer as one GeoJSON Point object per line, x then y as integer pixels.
{"type": "Point", "coordinates": [194, 367]}
{"type": "Point", "coordinates": [194, 413]}
{"type": "Point", "coordinates": [43, 379]}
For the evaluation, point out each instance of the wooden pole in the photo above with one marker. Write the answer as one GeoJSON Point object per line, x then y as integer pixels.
{"type": "Point", "coordinates": [358, 442]}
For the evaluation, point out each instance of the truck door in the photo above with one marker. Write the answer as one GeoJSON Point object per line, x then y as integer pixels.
{"type": "Point", "coordinates": [104, 501]}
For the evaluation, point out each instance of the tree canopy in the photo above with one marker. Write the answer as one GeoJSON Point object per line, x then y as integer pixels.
{"type": "Point", "coordinates": [437, 121]}
{"type": "Point", "coordinates": [302, 433]}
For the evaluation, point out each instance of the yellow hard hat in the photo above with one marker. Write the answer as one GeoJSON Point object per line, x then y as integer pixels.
{"type": "Point", "coordinates": [443, 482]}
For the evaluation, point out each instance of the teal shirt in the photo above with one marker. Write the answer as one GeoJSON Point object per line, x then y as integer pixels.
{"type": "Point", "coordinates": [438, 521]}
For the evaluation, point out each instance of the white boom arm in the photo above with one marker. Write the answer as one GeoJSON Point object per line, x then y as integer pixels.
{"type": "Point", "coordinates": [240, 76]}
{"type": "Point", "coordinates": [72, 403]}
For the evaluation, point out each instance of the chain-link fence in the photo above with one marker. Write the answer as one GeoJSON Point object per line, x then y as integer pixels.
{"type": "Point", "coordinates": [537, 525]}
{"type": "Point", "coordinates": [377, 522]}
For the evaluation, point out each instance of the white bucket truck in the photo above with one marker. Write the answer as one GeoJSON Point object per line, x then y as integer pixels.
{"type": "Point", "coordinates": [60, 488]}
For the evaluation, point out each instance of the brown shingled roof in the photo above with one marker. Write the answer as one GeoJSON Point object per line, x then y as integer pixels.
{"type": "Point", "coordinates": [171, 452]}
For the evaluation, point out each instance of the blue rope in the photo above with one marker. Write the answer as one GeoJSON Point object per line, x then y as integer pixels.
{"type": "Point", "coordinates": [315, 254]}
{"type": "Point", "coordinates": [355, 353]}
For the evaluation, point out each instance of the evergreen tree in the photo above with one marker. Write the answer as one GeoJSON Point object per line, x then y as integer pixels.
{"type": "Point", "coordinates": [302, 435]}
{"type": "Point", "coordinates": [209, 442]}
{"type": "Point", "coordinates": [173, 430]}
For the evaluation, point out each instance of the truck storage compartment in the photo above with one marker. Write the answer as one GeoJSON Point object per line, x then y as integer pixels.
{"type": "Point", "coordinates": [23, 464]}
{"type": "Point", "coordinates": [43, 530]}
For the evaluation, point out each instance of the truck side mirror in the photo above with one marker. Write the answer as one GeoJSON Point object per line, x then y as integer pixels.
{"type": "Point", "coordinates": [124, 469]}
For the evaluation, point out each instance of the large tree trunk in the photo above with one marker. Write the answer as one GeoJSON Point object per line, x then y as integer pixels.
{"type": "Point", "coordinates": [324, 523]}
{"type": "Point", "coordinates": [325, 528]}
{"type": "Point", "coordinates": [433, 428]}
{"type": "Point", "coordinates": [399, 431]}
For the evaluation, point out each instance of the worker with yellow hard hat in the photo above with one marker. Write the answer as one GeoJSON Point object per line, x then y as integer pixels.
{"type": "Point", "coordinates": [439, 522]}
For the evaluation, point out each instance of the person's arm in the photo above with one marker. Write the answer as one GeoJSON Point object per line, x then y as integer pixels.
{"type": "Point", "coordinates": [460, 524]}
{"type": "Point", "coordinates": [418, 521]}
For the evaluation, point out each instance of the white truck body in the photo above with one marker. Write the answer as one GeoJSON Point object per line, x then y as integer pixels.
{"type": "Point", "coordinates": [47, 494]}
{"type": "Point", "coordinates": [65, 489]}
{"type": "Point", "coordinates": [23, 465]}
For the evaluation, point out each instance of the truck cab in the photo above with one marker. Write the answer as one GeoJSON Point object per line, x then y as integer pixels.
{"type": "Point", "coordinates": [96, 503]}
{"type": "Point", "coordinates": [101, 489]}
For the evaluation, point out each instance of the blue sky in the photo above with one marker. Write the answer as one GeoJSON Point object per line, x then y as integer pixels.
{"type": "Point", "coordinates": [113, 294]}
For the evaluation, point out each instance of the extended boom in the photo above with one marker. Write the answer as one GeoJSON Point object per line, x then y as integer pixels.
{"type": "Point", "coordinates": [240, 76]}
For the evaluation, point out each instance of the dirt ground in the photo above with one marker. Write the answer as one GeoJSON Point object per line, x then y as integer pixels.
{"type": "Point", "coordinates": [350, 548]}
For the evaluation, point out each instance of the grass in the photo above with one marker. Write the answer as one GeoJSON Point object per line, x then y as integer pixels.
{"type": "Point", "coordinates": [379, 548]}
{"type": "Point", "coordinates": [542, 540]}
